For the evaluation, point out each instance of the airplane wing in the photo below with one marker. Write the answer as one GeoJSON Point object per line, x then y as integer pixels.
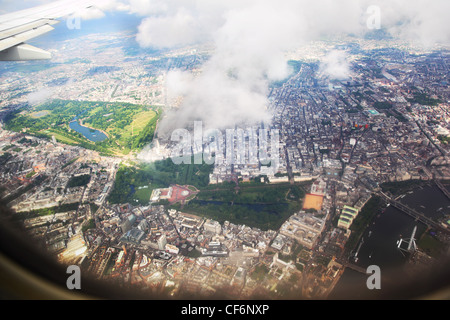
{"type": "Point", "coordinates": [18, 27]}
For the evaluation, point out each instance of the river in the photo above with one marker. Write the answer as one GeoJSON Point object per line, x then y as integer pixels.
{"type": "Point", "coordinates": [378, 245]}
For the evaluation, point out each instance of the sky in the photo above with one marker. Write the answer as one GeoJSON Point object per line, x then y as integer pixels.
{"type": "Point", "coordinates": [250, 38]}
{"type": "Point", "coordinates": [7, 6]}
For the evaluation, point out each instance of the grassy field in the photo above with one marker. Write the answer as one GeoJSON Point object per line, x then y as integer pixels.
{"type": "Point", "coordinates": [255, 204]}
{"type": "Point", "coordinates": [143, 195]}
{"type": "Point", "coordinates": [140, 121]}
{"type": "Point", "coordinates": [60, 138]}
{"type": "Point", "coordinates": [138, 124]}
{"type": "Point", "coordinates": [40, 114]}
{"type": "Point", "coordinates": [431, 245]}
{"type": "Point", "coordinates": [130, 181]}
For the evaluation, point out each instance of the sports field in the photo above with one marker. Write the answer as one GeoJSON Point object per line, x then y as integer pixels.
{"type": "Point", "coordinates": [313, 201]}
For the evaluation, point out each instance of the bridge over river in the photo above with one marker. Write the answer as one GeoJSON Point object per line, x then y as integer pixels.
{"type": "Point", "coordinates": [413, 213]}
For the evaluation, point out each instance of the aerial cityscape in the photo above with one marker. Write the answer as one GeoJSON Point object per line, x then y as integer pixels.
{"type": "Point", "coordinates": [109, 159]}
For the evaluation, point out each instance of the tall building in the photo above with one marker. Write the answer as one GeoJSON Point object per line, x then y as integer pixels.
{"type": "Point", "coordinates": [127, 223]}
{"type": "Point", "coordinates": [212, 226]}
{"type": "Point", "coordinates": [143, 225]}
{"type": "Point", "coordinates": [133, 236]}
{"type": "Point", "coordinates": [162, 241]}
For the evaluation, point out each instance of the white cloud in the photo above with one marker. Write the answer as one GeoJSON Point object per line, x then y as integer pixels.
{"type": "Point", "coordinates": [335, 65]}
{"type": "Point", "coordinates": [167, 32]}
{"type": "Point", "coordinates": [251, 37]}
{"type": "Point", "coordinates": [40, 96]}
{"type": "Point", "coordinates": [113, 5]}
{"type": "Point", "coordinates": [422, 21]}
{"type": "Point", "coordinates": [89, 13]}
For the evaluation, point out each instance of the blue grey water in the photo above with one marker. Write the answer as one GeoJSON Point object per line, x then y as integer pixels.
{"type": "Point", "coordinates": [92, 135]}
{"type": "Point", "coordinates": [379, 241]}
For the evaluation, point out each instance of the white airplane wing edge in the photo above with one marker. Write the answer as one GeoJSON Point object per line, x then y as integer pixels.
{"type": "Point", "coordinates": [18, 27]}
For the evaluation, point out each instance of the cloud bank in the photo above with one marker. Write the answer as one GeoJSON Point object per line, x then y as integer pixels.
{"type": "Point", "coordinates": [39, 96]}
{"type": "Point", "coordinates": [335, 65]}
{"type": "Point", "coordinates": [250, 38]}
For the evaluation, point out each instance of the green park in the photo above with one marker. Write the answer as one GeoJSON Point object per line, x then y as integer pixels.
{"type": "Point", "coordinates": [128, 127]}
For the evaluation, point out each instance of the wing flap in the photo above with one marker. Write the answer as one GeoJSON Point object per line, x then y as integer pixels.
{"type": "Point", "coordinates": [21, 26]}
{"type": "Point", "coordinates": [24, 52]}
{"type": "Point", "coordinates": [24, 36]}
{"type": "Point", "coordinates": [26, 27]}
